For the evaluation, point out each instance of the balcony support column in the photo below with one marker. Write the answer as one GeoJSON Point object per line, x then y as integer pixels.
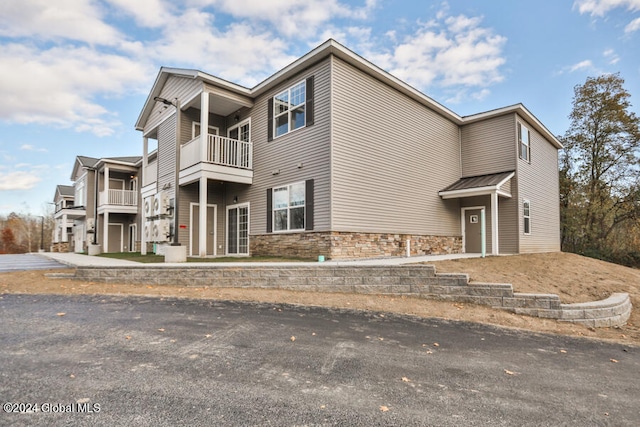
{"type": "Point", "coordinates": [106, 186]}
{"type": "Point", "coordinates": [105, 233]}
{"type": "Point", "coordinates": [202, 219]}
{"type": "Point", "coordinates": [64, 229]}
{"type": "Point", "coordinates": [495, 250]}
{"type": "Point", "coordinates": [204, 126]}
{"type": "Point", "coordinates": [145, 161]}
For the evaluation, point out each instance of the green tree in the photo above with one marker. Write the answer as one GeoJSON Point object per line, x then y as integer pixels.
{"type": "Point", "coordinates": [599, 167]}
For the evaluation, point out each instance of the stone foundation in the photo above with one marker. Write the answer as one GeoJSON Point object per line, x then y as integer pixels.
{"type": "Point", "coordinates": [341, 245]}
{"type": "Point", "coordinates": [60, 247]}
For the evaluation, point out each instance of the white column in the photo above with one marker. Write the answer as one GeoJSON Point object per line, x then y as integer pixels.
{"type": "Point", "coordinates": [494, 224]}
{"type": "Point", "coordinates": [204, 125]}
{"type": "Point", "coordinates": [145, 160]}
{"type": "Point", "coordinates": [64, 228]}
{"type": "Point", "coordinates": [202, 220]}
{"type": "Point", "coordinates": [105, 233]}
{"type": "Point", "coordinates": [106, 186]}
{"type": "Point", "coordinates": [143, 182]}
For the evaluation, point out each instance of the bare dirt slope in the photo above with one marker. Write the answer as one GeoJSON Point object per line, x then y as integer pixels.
{"type": "Point", "coordinates": [574, 278]}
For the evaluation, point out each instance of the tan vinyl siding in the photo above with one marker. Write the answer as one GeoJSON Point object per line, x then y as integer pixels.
{"type": "Point", "coordinates": [538, 183]}
{"type": "Point", "coordinates": [167, 153]}
{"type": "Point", "coordinates": [489, 146]}
{"type": "Point", "coordinates": [508, 225]}
{"type": "Point", "coordinates": [176, 87]}
{"type": "Point", "coordinates": [308, 147]}
{"type": "Point", "coordinates": [391, 156]}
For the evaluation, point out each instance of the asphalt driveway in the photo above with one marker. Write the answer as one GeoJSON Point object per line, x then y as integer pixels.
{"type": "Point", "coordinates": [155, 362]}
{"type": "Point", "coordinates": [23, 262]}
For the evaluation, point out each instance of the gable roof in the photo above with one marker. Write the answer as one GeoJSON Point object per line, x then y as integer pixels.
{"type": "Point", "coordinates": [65, 190]}
{"type": "Point", "coordinates": [332, 47]}
{"type": "Point", "coordinates": [477, 185]}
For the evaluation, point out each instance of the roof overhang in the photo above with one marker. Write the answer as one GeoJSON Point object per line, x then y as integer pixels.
{"type": "Point", "coordinates": [478, 186]}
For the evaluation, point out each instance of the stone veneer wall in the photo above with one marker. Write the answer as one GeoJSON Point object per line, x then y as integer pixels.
{"type": "Point", "coordinates": [60, 247]}
{"type": "Point", "coordinates": [342, 245]}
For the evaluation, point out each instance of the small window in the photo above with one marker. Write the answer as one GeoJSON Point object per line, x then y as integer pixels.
{"type": "Point", "coordinates": [195, 130]}
{"type": "Point", "coordinates": [289, 207]}
{"type": "Point", "coordinates": [289, 109]}
{"type": "Point", "coordinates": [526, 214]}
{"type": "Point", "coordinates": [524, 146]}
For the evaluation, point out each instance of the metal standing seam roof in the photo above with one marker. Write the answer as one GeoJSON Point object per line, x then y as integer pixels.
{"type": "Point", "coordinates": [482, 181]}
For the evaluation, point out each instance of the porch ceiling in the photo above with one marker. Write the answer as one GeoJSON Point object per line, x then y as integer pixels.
{"type": "Point", "coordinates": [220, 104]}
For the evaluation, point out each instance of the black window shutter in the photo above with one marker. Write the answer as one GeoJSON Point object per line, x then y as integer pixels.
{"type": "Point", "coordinates": [270, 119]}
{"type": "Point", "coordinates": [308, 202]}
{"type": "Point", "coordinates": [529, 147]}
{"type": "Point", "coordinates": [269, 210]}
{"type": "Point", "coordinates": [309, 101]}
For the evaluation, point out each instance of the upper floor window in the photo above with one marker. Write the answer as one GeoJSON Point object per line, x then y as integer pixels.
{"type": "Point", "coordinates": [524, 146]}
{"type": "Point", "coordinates": [289, 109]}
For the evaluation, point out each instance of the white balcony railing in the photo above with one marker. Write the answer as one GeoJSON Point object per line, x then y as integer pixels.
{"type": "Point", "coordinates": [119, 198]}
{"type": "Point", "coordinates": [220, 150]}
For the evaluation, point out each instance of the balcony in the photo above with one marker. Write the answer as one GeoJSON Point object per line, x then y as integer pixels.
{"type": "Point", "coordinates": [150, 173]}
{"type": "Point", "coordinates": [221, 158]}
{"type": "Point", "coordinates": [71, 213]}
{"type": "Point", "coordinates": [122, 201]}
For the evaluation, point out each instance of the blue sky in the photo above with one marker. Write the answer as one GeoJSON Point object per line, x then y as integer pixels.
{"type": "Point", "coordinates": [74, 74]}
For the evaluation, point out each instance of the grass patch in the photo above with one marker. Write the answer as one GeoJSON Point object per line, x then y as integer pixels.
{"type": "Point", "coordinates": [150, 258]}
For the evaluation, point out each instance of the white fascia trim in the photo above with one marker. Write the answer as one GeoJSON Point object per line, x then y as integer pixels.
{"type": "Point", "coordinates": [501, 183]}
{"type": "Point", "coordinates": [472, 192]}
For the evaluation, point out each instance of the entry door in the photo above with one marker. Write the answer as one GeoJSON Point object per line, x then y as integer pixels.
{"type": "Point", "coordinates": [115, 238]}
{"type": "Point", "coordinates": [195, 229]}
{"type": "Point", "coordinates": [473, 231]}
{"type": "Point", "coordinates": [238, 230]}
{"type": "Point", "coordinates": [78, 239]}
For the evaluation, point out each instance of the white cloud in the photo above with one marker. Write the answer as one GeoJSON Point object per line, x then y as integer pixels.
{"type": "Point", "coordinates": [294, 18]}
{"type": "Point", "coordinates": [29, 147]}
{"type": "Point", "coordinates": [611, 56]}
{"type": "Point", "coordinates": [582, 65]}
{"type": "Point", "coordinates": [239, 54]}
{"type": "Point", "coordinates": [449, 51]}
{"type": "Point", "coordinates": [18, 180]}
{"type": "Point", "coordinates": [601, 7]}
{"type": "Point", "coordinates": [58, 86]}
{"type": "Point", "coordinates": [79, 20]}
{"type": "Point", "coordinates": [633, 26]}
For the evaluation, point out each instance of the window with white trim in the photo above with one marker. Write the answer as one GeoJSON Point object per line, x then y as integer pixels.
{"type": "Point", "coordinates": [195, 130]}
{"type": "Point", "coordinates": [289, 109]}
{"type": "Point", "coordinates": [526, 216]}
{"type": "Point", "coordinates": [289, 207]}
{"type": "Point", "coordinates": [524, 146]}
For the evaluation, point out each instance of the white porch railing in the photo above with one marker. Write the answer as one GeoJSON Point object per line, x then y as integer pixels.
{"type": "Point", "coordinates": [220, 150]}
{"type": "Point", "coordinates": [119, 198]}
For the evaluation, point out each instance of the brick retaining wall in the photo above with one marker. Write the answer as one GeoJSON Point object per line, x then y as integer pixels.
{"type": "Point", "coordinates": [414, 280]}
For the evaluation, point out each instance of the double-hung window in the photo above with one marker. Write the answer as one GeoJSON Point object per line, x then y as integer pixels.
{"type": "Point", "coordinates": [289, 207]}
{"type": "Point", "coordinates": [289, 109]}
{"type": "Point", "coordinates": [526, 215]}
{"type": "Point", "coordinates": [524, 145]}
